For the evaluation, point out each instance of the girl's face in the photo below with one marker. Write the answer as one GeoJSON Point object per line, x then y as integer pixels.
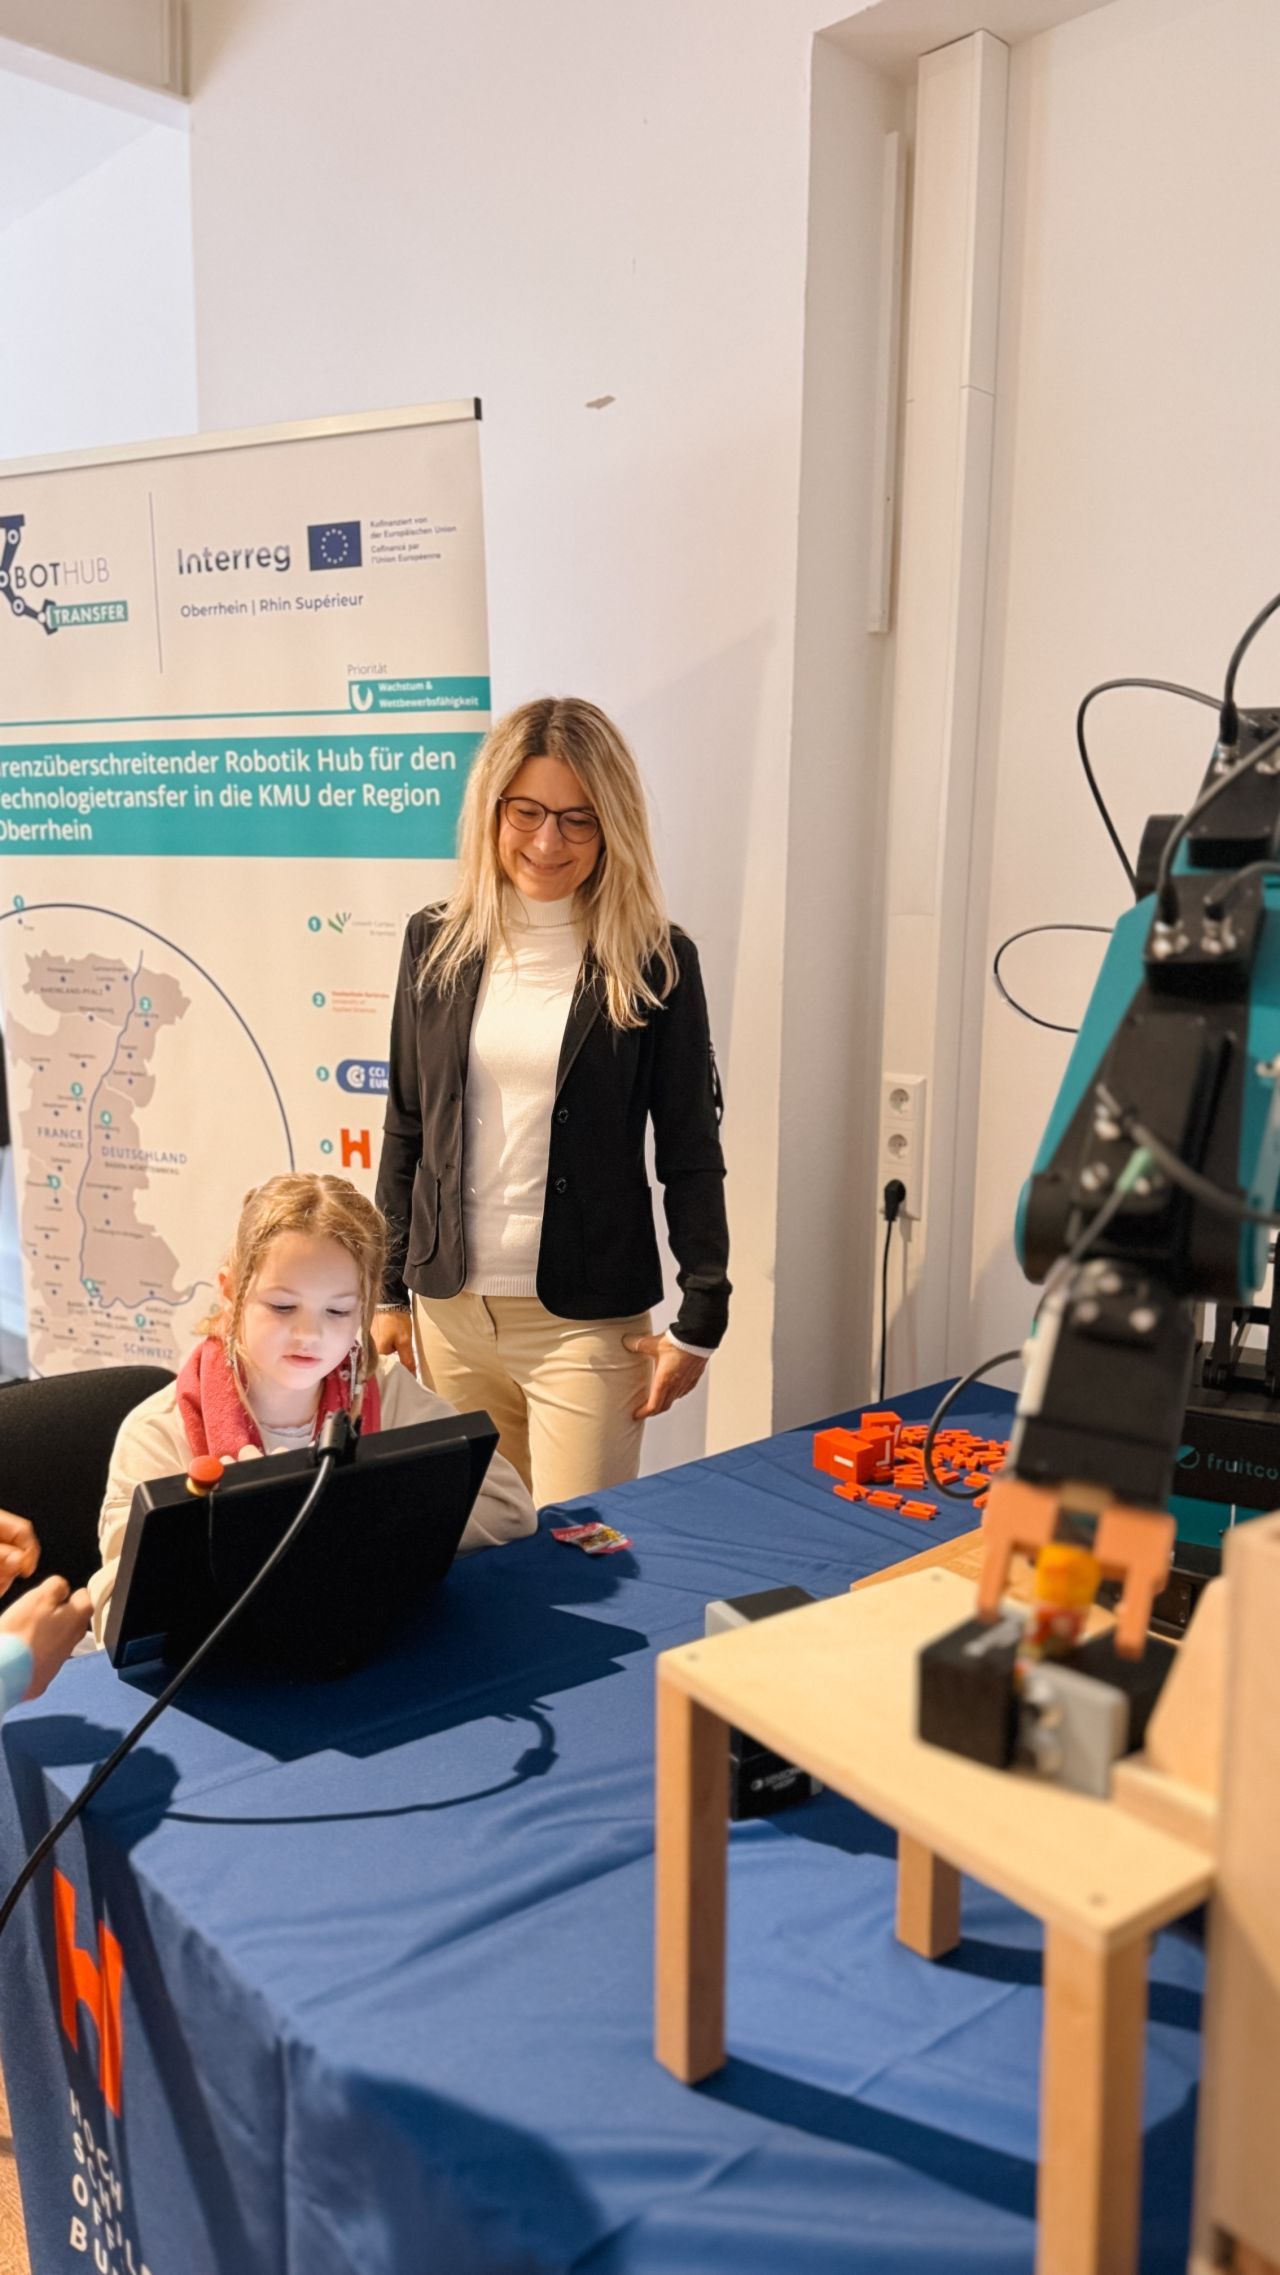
{"type": "Point", "coordinates": [300, 1319]}
{"type": "Point", "coordinates": [540, 862]}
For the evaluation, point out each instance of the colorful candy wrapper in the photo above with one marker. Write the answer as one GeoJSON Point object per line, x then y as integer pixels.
{"type": "Point", "coordinates": [596, 1539]}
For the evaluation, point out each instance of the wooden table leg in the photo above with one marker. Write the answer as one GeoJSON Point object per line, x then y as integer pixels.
{"type": "Point", "coordinates": [928, 1900]}
{"type": "Point", "coordinates": [692, 1856]}
{"type": "Point", "coordinates": [1089, 2197]}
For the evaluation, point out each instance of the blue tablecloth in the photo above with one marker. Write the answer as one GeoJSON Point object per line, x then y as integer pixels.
{"type": "Point", "coordinates": [387, 1975]}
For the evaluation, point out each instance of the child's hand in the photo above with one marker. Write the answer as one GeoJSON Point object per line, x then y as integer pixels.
{"type": "Point", "coordinates": [19, 1550]}
{"type": "Point", "coordinates": [393, 1337]}
{"type": "Point", "coordinates": [50, 1620]}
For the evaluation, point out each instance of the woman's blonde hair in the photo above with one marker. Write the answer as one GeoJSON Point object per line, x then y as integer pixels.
{"type": "Point", "coordinates": [325, 1208]}
{"type": "Point", "coordinates": [620, 906]}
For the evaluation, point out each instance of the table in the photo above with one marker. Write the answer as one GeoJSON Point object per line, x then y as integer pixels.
{"type": "Point", "coordinates": [387, 1958]}
{"type": "Point", "coordinates": [833, 1687]}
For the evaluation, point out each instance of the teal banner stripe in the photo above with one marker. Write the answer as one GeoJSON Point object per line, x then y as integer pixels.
{"type": "Point", "coordinates": [368, 797]}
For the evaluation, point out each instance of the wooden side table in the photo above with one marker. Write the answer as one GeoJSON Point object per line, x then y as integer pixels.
{"type": "Point", "coordinates": [832, 1687]}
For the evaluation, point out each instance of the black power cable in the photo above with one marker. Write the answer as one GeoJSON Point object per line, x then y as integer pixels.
{"type": "Point", "coordinates": [1054, 1025]}
{"type": "Point", "coordinates": [334, 1439]}
{"type": "Point", "coordinates": [895, 1193]}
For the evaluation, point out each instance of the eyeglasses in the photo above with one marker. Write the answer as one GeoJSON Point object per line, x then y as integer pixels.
{"type": "Point", "coordinates": [577, 824]}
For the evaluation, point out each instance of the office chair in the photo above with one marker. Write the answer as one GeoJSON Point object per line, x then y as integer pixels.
{"type": "Point", "coordinates": [56, 1437]}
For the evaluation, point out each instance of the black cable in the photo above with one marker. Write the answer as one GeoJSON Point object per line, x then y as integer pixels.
{"type": "Point", "coordinates": [328, 1457]}
{"type": "Point", "coordinates": [884, 1307]}
{"type": "Point", "coordinates": [1074, 1255]}
{"type": "Point", "coordinates": [1222, 895]}
{"type": "Point", "coordinates": [1166, 894]}
{"type": "Point", "coordinates": [1229, 722]}
{"type": "Point", "coordinates": [895, 1193]}
{"type": "Point", "coordinates": [1179, 1173]}
{"type": "Point", "coordinates": [1104, 687]}
{"type": "Point", "coordinates": [940, 1414]}
{"type": "Point", "coordinates": [1053, 1025]}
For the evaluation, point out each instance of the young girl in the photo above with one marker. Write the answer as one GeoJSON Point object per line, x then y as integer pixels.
{"type": "Point", "coordinates": [289, 1343]}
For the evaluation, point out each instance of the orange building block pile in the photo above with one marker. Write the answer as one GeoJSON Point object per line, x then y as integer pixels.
{"type": "Point", "coordinates": [881, 1462]}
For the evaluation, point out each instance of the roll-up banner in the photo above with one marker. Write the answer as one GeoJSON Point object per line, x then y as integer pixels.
{"type": "Point", "coordinates": [242, 680]}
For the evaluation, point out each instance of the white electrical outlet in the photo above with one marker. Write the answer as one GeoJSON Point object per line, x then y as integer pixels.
{"type": "Point", "coordinates": [902, 1135]}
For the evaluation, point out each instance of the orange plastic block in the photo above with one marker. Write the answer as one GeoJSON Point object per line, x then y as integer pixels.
{"type": "Point", "coordinates": [884, 1500]}
{"type": "Point", "coordinates": [881, 1414]}
{"type": "Point", "coordinates": [850, 1492]}
{"type": "Point", "coordinates": [845, 1454]}
{"type": "Point", "coordinates": [924, 1509]}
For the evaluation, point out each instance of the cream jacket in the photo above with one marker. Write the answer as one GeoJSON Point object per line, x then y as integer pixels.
{"type": "Point", "coordinates": [152, 1442]}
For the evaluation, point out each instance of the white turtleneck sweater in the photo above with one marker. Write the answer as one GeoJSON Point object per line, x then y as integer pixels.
{"type": "Point", "coordinates": [520, 1018]}
{"type": "Point", "coordinates": [521, 1013]}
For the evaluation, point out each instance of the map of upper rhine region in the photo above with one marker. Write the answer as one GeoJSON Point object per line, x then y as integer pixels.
{"type": "Point", "coordinates": [87, 1169]}
{"type": "Point", "coordinates": [126, 1194]}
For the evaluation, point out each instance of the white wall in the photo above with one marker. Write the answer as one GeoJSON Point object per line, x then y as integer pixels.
{"type": "Point", "coordinates": [1137, 477]}
{"type": "Point", "coordinates": [95, 285]}
{"type": "Point", "coordinates": [99, 336]}
{"type": "Point", "coordinates": [544, 202]}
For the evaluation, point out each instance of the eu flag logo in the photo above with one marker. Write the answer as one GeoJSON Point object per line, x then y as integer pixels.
{"type": "Point", "coordinates": [334, 544]}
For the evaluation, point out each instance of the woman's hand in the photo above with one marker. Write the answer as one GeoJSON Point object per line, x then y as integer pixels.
{"type": "Point", "coordinates": [675, 1372]}
{"type": "Point", "coordinates": [393, 1337]}
{"type": "Point", "coordinates": [19, 1550]}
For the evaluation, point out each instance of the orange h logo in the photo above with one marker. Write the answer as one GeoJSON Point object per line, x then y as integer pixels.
{"type": "Point", "coordinates": [351, 1146]}
{"type": "Point", "coordinates": [94, 1985]}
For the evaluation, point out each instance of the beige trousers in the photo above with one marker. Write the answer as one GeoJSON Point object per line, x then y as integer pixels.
{"type": "Point", "coordinates": [562, 1391]}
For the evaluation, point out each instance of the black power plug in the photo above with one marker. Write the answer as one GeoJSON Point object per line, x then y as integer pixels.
{"type": "Point", "coordinates": [895, 1193]}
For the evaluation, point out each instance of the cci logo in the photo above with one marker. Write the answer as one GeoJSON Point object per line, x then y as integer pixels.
{"type": "Point", "coordinates": [368, 1076]}
{"type": "Point", "coordinates": [1188, 1457]}
{"type": "Point", "coordinates": [93, 1985]}
{"type": "Point", "coordinates": [334, 544]}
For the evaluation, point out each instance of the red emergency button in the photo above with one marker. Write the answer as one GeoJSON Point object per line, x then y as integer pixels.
{"type": "Point", "coordinates": [205, 1472]}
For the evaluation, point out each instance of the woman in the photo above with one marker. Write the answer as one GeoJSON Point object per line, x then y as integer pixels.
{"type": "Point", "coordinates": [543, 1017]}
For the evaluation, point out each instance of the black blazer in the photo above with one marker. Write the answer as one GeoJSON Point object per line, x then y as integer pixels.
{"type": "Point", "coordinates": [599, 1253]}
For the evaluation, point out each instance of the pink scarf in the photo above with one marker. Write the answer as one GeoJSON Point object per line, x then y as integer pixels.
{"type": "Point", "coordinates": [214, 1415]}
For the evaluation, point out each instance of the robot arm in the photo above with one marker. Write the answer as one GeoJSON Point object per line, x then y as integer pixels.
{"type": "Point", "coordinates": [1154, 1187]}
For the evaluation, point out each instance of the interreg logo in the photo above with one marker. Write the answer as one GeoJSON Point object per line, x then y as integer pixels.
{"type": "Point", "coordinates": [222, 560]}
{"type": "Point", "coordinates": [367, 1076]}
{"type": "Point", "coordinates": [66, 579]}
{"type": "Point", "coordinates": [334, 544]}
